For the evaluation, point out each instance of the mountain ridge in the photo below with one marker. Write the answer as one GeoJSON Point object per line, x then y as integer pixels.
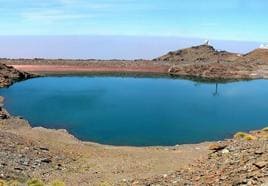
{"type": "Point", "coordinates": [208, 54]}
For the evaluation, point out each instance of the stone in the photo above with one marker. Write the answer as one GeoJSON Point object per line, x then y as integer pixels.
{"type": "Point", "coordinates": [46, 160]}
{"type": "Point", "coordinates": [225, 151]}
{"type": "Point", "coordinates": [260, 164]}
{"type": "Point", "coordinates": [217, 146]}
{"type": "Point", "coordinates": [259, 152]}
{"type": "Point", "coordinates": [43, 148]}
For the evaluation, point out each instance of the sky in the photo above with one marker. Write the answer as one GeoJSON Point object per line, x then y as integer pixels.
{"type": "Point", "coordinates": [228, 20]}
{"type": "Point", "coordinates": [106, 47]}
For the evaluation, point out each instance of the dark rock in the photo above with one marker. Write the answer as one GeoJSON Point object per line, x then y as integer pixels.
{"type": "Point", "coordinates": [43, 148]}
{"type": "Point", "coordinates": [46, 160]}
{"type": "Point", "coordinates": [260, 164]}
{"type": "Point", "coordinates": [259, 152]}
{"type": "Point", "coordinates": [9, 75]}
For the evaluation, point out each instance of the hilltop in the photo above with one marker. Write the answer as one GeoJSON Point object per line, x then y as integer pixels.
{"type": "Point", "coordinates": [258, 55]}
{"type": "Point", "coordinates": [198, 54]}
{"type": "Point", "coordinates": [206, 62]}
{"type": "Point", "coordinates": [208, 54]}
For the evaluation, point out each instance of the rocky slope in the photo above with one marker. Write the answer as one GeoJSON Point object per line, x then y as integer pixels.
{"type": "Point", "coordinates": [9, 75]}
{"type": "Point", "coordinates": [198, 54]}
{"type": "Point", "coordinates": [218, 71]}
{"type": "Point", "coordinates": [206, 62]}
{"type": "Point", "coordinates": [255, 56]}
{"type": "Point", "coordinates": [240, 161]}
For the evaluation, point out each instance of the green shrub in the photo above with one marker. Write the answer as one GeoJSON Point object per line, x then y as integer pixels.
{"type": "Point", "coordinates": [105, 184]}
{"type": "Point", "coordinates": [249, 137]}
{"type": "Point", "coordinates": [245, 136]}
{"type": "Point", "coordinates": [35, 182]}
{"type": "Point", "coordinates": [240, 135]}
{"type": "Point", "coordinates": [265, 129]}
{"type": "Point", "coordinates": [14, 183]}
{"type": "Point", "coordinates": [3, 183]}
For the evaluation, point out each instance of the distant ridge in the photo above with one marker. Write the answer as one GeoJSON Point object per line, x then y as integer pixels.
{"type": "Point", "coordinates": [202, 53]}
{"type": "Point", "coordinates": [257, 55]}
{"type": "Point", "coordinates": [208, 54]}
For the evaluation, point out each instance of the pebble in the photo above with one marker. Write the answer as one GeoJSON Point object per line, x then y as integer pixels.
{"type": "Point", "coordinates": [225, 151]}
{"type": "Point", "coordinates": [259, 152]}
{"type": "Point", "coordinates": [217, 146]}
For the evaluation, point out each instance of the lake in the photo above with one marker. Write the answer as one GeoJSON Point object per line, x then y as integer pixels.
{"type": "Point", "coordinates": [140, 111]}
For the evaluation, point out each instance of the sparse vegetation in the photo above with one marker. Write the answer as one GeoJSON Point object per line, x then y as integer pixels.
{"type": "Point", "coordinates": [3, 183]}
{"type": "Point", "coordinates": [35, 182]}
{"type": "Point", "coordinates": [265, 129]}
{"type": "Point", "coordinates": [105, 183]}
{"type": "Point", "coordinates": [57, 183]}
{"type": "Point", "coordinates": [245, 136]}
{"type": "Point", "coordinates": [32, 182]}
{"type": "Point", "coordinates": [240, 135]}
{"type": "Point", "coordinates": [14, 183]}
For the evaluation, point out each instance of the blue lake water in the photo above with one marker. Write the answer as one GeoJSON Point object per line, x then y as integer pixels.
{"type": "Point", "coordinates": [140, 111]}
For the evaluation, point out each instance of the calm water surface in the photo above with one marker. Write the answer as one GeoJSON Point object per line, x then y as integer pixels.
{"type": "Point", "coordinates": [140, 111]}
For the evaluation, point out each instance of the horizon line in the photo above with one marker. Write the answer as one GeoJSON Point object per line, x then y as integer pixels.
{"type": "Point", "coordinates": [129, 35]}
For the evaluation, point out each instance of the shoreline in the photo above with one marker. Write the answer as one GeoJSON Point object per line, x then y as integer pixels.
{"type": "Point", "coordinates": [203, 72]}
{"type": "Point", "coordinates": [75, 153]}
{"type": "Point", "coordinates": [74, 162]}
{"type": "Point", "coordinates": [65, 131]}
{"type": "Point", "coordinates": [47, 70]}
{"type": "Point", "coordinates": [204, 62]}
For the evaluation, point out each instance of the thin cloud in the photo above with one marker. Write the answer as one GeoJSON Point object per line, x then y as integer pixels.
{"type": "Point", "coordinates": [63, 10]}
{"type": "Point", "coordinates": [85, 4]}
{"type": "Point", "coordinates": [52, 16]}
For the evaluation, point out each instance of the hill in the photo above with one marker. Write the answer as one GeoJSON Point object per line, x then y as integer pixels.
{"type": "Point", "coordinates": [205, 61]}
{"type": "Point", "coordinates": [202, 53]}
{"type": "Point", "coordinates": [257, 55]}
{"type": "Point", "coordinates": [9, 75]}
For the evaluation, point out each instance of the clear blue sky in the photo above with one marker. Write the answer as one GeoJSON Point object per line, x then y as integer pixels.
{"type": "Point", "coordinates": [244, 20]}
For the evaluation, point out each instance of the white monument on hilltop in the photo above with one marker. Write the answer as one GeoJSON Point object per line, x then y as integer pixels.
{"type": "Point", "coordinates": [263, 46]}
{"type": "Point", "coordinates": [206, 42]}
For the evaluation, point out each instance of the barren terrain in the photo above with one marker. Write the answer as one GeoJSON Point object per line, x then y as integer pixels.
{"type": "Point", "coordinates": [196, 62]}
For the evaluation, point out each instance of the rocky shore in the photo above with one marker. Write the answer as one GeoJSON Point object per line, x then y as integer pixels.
{"type": "Point", "coordinates": [47, 156]}
{"type": "Point", "coordinates": [238, 161]}
{"type": "Point", "coordinates": [9, 75]}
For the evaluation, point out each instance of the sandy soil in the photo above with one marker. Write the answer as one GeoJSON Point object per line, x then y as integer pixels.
{"type": "Point", "coordinates": [91, 68]}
